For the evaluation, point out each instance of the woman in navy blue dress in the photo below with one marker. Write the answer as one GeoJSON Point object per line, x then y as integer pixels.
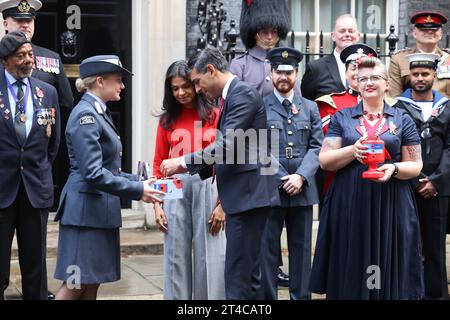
{"type": "Point", "coordinates": [368, 245]}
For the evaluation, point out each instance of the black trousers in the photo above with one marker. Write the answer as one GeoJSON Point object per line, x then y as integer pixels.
{"type": "Point", "coordinates": [433, 223]}
{"type": "Point", "coordinates": [299, 232]}
{"type": "Point", "coordinates": [30, 224]}
{"type": "Point", "coordinates": [242, 262]}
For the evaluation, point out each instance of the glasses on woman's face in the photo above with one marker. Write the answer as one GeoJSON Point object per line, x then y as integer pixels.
{"type": "Point", "coordinates": [375, 78]}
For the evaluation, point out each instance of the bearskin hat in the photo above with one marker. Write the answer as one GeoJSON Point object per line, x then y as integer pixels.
{"type": "Point", "coordinates": [257, 15]}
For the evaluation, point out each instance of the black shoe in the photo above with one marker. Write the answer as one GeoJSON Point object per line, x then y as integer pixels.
{"type": "Point", "coordinates": [283, 279]}
{"type": "Point", "coordinates": [51, 296]}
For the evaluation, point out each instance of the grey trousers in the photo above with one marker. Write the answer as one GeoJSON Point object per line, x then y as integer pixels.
{"type": "Point", "coordinates": [194, 260]}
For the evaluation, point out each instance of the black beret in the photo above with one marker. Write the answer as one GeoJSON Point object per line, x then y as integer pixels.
{"type": "Point", "coordinates": [11, 42]}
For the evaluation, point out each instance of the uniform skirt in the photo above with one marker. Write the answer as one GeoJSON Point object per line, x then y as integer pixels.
{"type": "Point", "coordinates": [92, 254]}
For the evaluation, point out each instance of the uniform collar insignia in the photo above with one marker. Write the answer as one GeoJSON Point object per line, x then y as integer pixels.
{"type": "Point", "coordinates": [98, 107]}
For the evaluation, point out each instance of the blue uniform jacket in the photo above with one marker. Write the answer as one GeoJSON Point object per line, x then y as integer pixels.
{"type": "Point", "coordinates": [32, 162]}
{"type": "Point", "coordinates": [242, 185]}
{"type": "Point", "coordinates": [303, 133]}
{"type": "Point", "coordinates": [91, 196]}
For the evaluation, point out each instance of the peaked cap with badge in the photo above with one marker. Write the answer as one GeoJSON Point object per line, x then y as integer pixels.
{"type": "Point", "coordinates": [20, 9]}
{"type": "Point", "coordinates": [284, 58]}
{"type": "Point", "coordinates": [428, 19]}
{"type": "Point", "coordinates": [355, 51]}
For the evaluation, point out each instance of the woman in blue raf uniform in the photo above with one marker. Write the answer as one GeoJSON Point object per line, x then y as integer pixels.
{"type": "Point", "coordinates": [89, 209]}
{"type": "Point", "coordinates": [368, 245]}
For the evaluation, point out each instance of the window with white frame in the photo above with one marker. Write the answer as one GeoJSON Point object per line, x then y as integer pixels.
{"type": "Point", "coordinates": [373, 16]}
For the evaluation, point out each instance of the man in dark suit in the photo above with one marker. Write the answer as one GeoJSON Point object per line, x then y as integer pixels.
{"type": "Point", "coordinates": [29, 141]}
{"type": "Point", "coordinates": [297, 121]}
{"type": "Point", "coordinates": [237, 158]}
{"type": "Point", "coordinates": [327, 75]}
{"type": "Point", "coordinates": [430, 111]}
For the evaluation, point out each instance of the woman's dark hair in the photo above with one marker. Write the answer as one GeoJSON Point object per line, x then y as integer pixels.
{"type": "Point", "coordinates": [172, 108]}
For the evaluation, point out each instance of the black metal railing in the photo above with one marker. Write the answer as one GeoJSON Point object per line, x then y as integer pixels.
{"type": "Point", "coordinates": [211, 15]}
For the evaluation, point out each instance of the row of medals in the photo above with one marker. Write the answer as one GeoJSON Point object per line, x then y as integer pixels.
{"type": "Point", "coordinates": [42, 121]}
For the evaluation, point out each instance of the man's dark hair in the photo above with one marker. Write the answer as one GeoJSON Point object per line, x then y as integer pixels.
{"type": "Point", "coordinates": [211, 56]}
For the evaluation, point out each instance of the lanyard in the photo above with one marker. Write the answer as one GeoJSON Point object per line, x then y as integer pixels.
{"type": "Point", "coordinates": [11, 89]}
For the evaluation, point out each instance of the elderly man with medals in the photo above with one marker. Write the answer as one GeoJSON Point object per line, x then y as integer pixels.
{"type": "Point", "coordinates": [29, 140]}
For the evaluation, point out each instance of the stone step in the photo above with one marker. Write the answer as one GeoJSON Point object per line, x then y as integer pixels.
{"type": "Point", "coordinates": [134, 238]}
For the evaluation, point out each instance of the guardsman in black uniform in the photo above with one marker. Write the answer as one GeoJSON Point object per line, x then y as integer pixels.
{"type": "Point", "coordinates": [299, 126]}
{"type": "Point", "coordinates": [20, 15]}
{"type": "Point", "coordinates": [29, 141]}
{"type": "Point", "coordinates": [430, 111]}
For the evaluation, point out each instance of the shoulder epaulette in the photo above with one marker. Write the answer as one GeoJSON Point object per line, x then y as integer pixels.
{"type": "Point", "coordinates": [327, 99]}
{"type": "Point", "coordinates": [446, 50]}
{"type": "Point", "coordinates": [401, 50]}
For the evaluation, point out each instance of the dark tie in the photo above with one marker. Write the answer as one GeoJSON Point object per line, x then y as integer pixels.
{"type": "Point", "coordinates": [221, 104]}
{"type": "Point", "coordinates": [20, 127]}
{"type": "Point", "coordinates": [287, 105]}
{"type": "Point", "coordinates": [109, 115]}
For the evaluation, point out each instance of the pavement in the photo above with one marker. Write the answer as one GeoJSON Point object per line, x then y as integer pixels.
{"type": "Point", "coordinates": [142, 263]}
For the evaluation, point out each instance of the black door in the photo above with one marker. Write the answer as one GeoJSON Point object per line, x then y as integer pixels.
{"type": "Point", "coordinates": [105, 29]}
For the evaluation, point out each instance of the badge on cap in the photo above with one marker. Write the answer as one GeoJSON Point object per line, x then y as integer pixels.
{"type": "Point", "coordinates": [24, 7]}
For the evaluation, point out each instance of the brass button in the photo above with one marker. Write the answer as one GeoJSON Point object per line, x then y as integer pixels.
{"type": "Point", "coordinates": [290, 144]}
{"type": "Point", "coordinates": [290, 133]}
{"type": "Point", "coordinates": [120, 170]}
{"type": "Point", "coordinates": [22, 168]}
{"type": "Point", "coordinates": [22, 150]}
{"type": "Point", "coordinates": [118, 137]}
{"type": "Point", "coordinates": [121, 154]}
{"type": "Point", "coordinates": [289, 121]}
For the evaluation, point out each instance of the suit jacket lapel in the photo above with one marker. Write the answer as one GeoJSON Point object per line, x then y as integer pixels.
{"type": "Point", "coordinates": [334, 71]}
{"type": "Point", "coordinates": [36, 106]}
{"type": "Point", "coordinates": [230, 90]}
{"type": "Point", "coordinates": [5, 112]}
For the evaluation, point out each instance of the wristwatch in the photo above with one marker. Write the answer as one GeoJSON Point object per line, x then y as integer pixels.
{"type": "Point", "coordinates": [395, 170]}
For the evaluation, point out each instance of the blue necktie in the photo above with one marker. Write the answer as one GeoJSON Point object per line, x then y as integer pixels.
{"type": "Point", "coordinates": [19, 124]}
